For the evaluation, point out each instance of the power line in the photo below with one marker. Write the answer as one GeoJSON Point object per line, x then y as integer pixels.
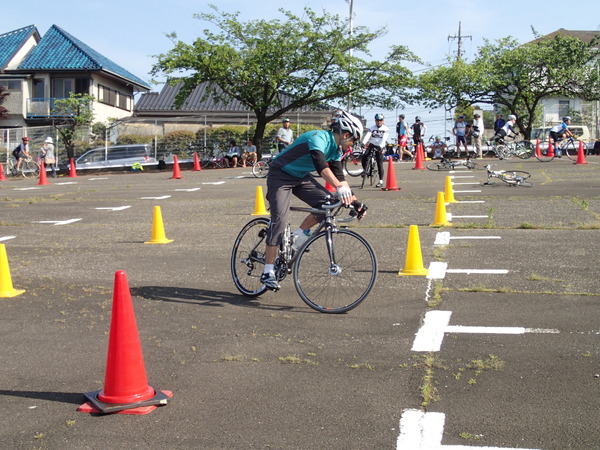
{"type": "Point", "coordinates": [460, 38]}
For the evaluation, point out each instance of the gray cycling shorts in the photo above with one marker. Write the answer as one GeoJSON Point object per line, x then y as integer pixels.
{"type": "Point", "coordinates": [280, 187]}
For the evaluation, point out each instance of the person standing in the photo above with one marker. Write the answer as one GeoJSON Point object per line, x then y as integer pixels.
{"type": "Point", "coordinates": [477, 132]}
{"type": "Point", "coordinates": [418, 130]}
{"type": "Point", "coordinates": [460, 131]}
{"type": "Point", "coordinates": [47, 155]}
{"type": "Point", "coordinates": [284, 136]}
{"type": "Point", "coordinates": [402, 132]}
{"type": "Point", "coordinates": [376, 138]}
{"type": "Point", "coordinates": [499, 123]}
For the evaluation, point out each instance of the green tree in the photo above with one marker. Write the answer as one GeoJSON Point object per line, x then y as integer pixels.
{"type": "Point", "coordinates": [70, 115]}
{"type": "Point", "coordinates": [306, 58]}
{"type": "Point", "coordinates": [516, 76]}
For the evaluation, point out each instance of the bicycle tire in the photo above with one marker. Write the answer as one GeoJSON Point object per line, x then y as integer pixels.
{"type": "Point", "coordinates": [368, 173]}
{"type": "Point", "coordinates": [341, 288]}
{"type": "Point", "coordinates": [353, 165]}
{"type": "Point", "coordinates": [543, 155]}
{"type": "Point", "coordinates": [525, 150]}
{"type": "Point", "coordinates": [474, 166]}
{"type": "Point", "coordinates": [248, 257]}
{"type": "Point", "coordinates": [439, 166]}
{"type": "Point", "coordinates": [571, 149]}
{"type": "Point", "coordinates": [30, 169]}
{"type": "Point", "coordinates": [260, 169]}
{"type": "Point", "coordinates": [451, 151]}
{"type": "Point", "coordinates": [516, 178]}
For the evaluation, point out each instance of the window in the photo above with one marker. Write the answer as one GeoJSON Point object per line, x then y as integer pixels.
{"type": "Point", "coordinates": [114, 98]}
{"type": "Point", "coordinates": [38, 88]}
{"type": "Point", "coordinates": [63, 87]}
{"type": "Point", "coordinates": [11, 85]}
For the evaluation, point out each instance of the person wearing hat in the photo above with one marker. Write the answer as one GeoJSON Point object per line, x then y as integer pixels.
{"type": "Point", "coordinates": [402, 133]}
{"type": "Point", "coordinates": [47, 155]}
{"type": "Point", "coordinates": [21, 152]}
{"type": "Point", "coordinates": [461, 130]}
{"type": "Point", "coordinates": [284, 136]}
{"type": "Point", "coordinates": [477, 130]}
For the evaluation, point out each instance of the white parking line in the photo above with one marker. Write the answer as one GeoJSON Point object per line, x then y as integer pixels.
{"type": "Point", "coordinates": [420, 430]}
{"type": "Point", "coordinates": [188, 190]}
{"type": "Point", "coordinates": [459, 192]}
{"type": "Point", "coordinates": [444, 238]}
{"type": "Point", "coordinates": [450, 216]}
{"type": "Point", "coordinates": [115, 208]}
{"type": "Point", "coordinates": [156, 198]}
{"type": "Point", "coordinates": [59, 222]}
{"type": "Point", "coordinates": [6, 238]}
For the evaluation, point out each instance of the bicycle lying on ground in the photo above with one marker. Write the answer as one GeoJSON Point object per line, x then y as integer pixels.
{"type": "Point", "coordinates": [450, 164]}
{"type": "Point", "coordinates": [333, 271]}
{"type": "Point", "coordinates": [511, 177]}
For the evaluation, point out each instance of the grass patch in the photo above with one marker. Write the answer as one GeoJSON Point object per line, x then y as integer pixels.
{"type": "Point", "coordinates": [293, 359]}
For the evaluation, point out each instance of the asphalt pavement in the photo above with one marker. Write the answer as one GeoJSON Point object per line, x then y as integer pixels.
{"type": "Point", "coordinates": [497, 348]}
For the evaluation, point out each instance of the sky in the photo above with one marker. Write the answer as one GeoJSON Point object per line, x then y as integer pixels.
{"type": "Point", "coordinates": [131, 33]}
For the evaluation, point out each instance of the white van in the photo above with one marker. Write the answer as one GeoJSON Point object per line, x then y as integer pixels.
{"type": "Point", "coordinates": [116, 156]}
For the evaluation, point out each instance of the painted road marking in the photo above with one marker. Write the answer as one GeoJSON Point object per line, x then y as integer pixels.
{"type": "Point", "coordinates": [444, 238]}
{"type": "Point", "coordinates": [438, 271]}
{"type": "Point", "coordinates": [27, 189]}
{"type": "Point", "coordinates": [215, 182]}
{"type": "Point", "coordinates": [470, 183]}
{"type": "Point", "coordinates": [471, 271]}
{"type": "Point", "coordinates": [471, 201]}
{"type": "Point", "coordinates": [59, 222]}
{"type": "Point", "coordinates": [155, 198]}
{"type": "Point", "coordinates": [430, 336]}
{"type": "Point", "coordinates": [94, 179]}
{"type": "Point", "coordinates": [420, 430]}
{"type": "Point", "coordinates": [115, 208]}
{"type": "Point", "coordinates": [450, 216]}
{"type": "Point", "coordinates": [66, 182]}
{"type": "Point", "coordinates": [479, 190]}
{"type": "Point", "coordinates": [6, 238]}
{"type": "Point", "coordinates": [463, 176]}
{"type": "Point", "coordinates": [188, 190]}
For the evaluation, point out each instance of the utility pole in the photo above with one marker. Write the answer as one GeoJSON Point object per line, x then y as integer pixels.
{"type": "Point", "coordinates": [460, 38]}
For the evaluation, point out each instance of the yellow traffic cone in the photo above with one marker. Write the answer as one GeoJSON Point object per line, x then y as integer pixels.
{"type": "Point", "coordinates": [259, 203]}
{"type": "Point", "coordinates": [414, 259]}
{"type": "Point", "coordinates": [441, 219]}
{"type": "Point", "coordinates": [158, 230]}
{"type": "Point", "coordinates": [449, 193]}
{"type": "Point", "coordinates": [6, 286]}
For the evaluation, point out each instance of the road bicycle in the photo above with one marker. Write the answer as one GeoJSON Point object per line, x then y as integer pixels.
{"type": "Point", "coordinates": [450, 164]}
{"type": "Point", "coordinates": [520, 149]}
{"type": "Point", "coordinates": [510, 177]}
{"type": "Point", "coordinates": [29, 168]}
{"type": "Point", "coordinates": [333, 271]}
{"type": "Point", "coordinates": [352, 160]}
{"type": "Point", "coordinates": [568, 147]}
{"type": "Point", "coordinates": [371, 171]}
{"type": "Point", "coordinates": [260, 169]}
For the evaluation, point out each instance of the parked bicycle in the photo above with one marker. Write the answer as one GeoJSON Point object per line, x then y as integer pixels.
{"type": "Point", "coordinates": [510, 177]}
{"type": "Point", "coordinates": [451, 164]}
{"type": "Point", "coordinates": [333, 271]}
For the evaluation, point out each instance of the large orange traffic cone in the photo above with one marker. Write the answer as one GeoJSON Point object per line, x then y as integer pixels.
{"type": "Point", "coordinates": [43, 178]}
{"type": "Point", "coordinates": [176, 171]}
{"type": "Point", "coordinates": [441, 218]}
{"type": "Point", "coordinates": [72, 169]}
{"type": "Point", "coordinates": [6, 286]}
{"type": "Point", "coordinates": [538, 153]}
{"type": "Point", "coordinates": [449, 192]}
{"type": "Point", "coordinates": [414, 258]}
{"type": "Point", "coordinates": [197, 167]}
{"type": "Point", "coordinates": [259, 203]}
{"type": "Point", "coordinates": [158, 230]}
{"type": "Point", "coordinates": [419, 159]}
{"type": "Point", "coordinates": [550, 148]}
{"type": "Point", "coordinates": [390, 181]}
{"type": "Point", "coordinates": [2, 177]}
{"type": "Point", "coordinates": [581, 154]}
{"type": "Point", "coordinates": [126, 389]}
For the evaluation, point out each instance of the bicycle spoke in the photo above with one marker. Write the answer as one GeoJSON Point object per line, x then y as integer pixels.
{"type": "Point", "coordinates": [247, 257]}
{"type": "Point", "coordinates": [339, 287]}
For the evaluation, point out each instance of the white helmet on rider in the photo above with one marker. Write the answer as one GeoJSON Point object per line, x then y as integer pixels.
{"type": "Point", "coordinates": [512, 117]}
{"type": "Point", "coordinates": [346, 122]}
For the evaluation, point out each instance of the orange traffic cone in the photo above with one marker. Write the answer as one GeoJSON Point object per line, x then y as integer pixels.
{"type": "Point", "coordinates": [419, 159]}
{"type": "Point", "coordinates": [176, 172]}
{"type": "Point", "coordinates": [43, 178]}
{"type": "Point", "coordinates": [414, 258]}
{"type": "Point", "coordinates": [126, 389]}
{"type": "Point", "coordinates": [329, 187]}
{"type": "Point", "coordinates": [72, 170]}
{"type": "Point", "coordinates": [441, 218]}
{"type": "Point", "coordinates": [550, 148]}
{"type": "Point", "coordinates": [390, 181]}
{"type": "Point", "coordinates": [2, 177]}
{"type": "Point", "coordinates": [6, 287]}
{"type": "Point", "coordinates": [197, 167]}
{"type": "Point", "coordinates": [538, 153]}
{"type": "Point", "coordinates": [259, 203]}
{"type": "Point", "coordinates": [158, 229]}
{"type": "Point", "coordinates": [581, 154]}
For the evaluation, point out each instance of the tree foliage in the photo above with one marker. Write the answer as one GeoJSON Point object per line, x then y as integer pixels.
{"type": "Point", "coordinates": [274, 66]}
{"type": "Point", "coordinates": [516, 76]}
{"type": "Point", "coordinates": [72, 113]}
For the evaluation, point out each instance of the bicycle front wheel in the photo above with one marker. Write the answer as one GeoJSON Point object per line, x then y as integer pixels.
{"type": "Point", "coordinates": [571, 149]}
{"type": "Point", "coordinates": [543, 155]}
{"type": "Point", "coordinates": [260, 169]}
{"type": "Point", "coordinates": [438, 165]}
{"type": "Point", "coordinates": [516, 178]}
{"type": "Point", "coordinates": [353, 165]}
{"type": "Point", "coordinates": [30, 169]}
{"type": "Point", "coordinates": [248, 257]}
{"type": "Point", "coordinates": [335, 271]}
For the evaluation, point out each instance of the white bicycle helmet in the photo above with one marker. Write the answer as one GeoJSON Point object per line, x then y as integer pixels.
{"type": "Point", "coordinates": [512, 117]}
{"type": "Point", "coordinates": [351, 124]}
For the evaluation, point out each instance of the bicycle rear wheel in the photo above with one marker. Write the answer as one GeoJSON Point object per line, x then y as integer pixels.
{"type": "Point", "coordinates": [339, 287]}
{"type": "Point", "coordinates": [516, 178]}
{"type": "Point", "coordinates": [525, 150]}
{"type": "Point", "coordinates": [353, 165]}
{"type": "Point", "coordinates": [260, 169]}
{"type": "Point", "coordinates": [438, 166]}
{"type": "Point", "coordinates": [248, 257]}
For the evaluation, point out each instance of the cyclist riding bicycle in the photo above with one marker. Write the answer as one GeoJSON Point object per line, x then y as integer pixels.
{"type": "Point", "coordinates": [21, 152]}
{"type": "Point", "coordinates": [560, 131]}
{"type": "Point", "coordinates": [289, 174]}
{"type": "Point", "coordinates": [506, 130]}
{"type": "Point", "coordinates": [376, 138]}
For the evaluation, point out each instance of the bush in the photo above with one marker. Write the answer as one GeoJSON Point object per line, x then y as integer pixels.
{"type": "Point", "coordinates": [127, 139]}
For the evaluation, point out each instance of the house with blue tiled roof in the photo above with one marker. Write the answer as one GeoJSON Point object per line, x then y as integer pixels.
{"type": "Point", "coordinates": [37, 70]}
